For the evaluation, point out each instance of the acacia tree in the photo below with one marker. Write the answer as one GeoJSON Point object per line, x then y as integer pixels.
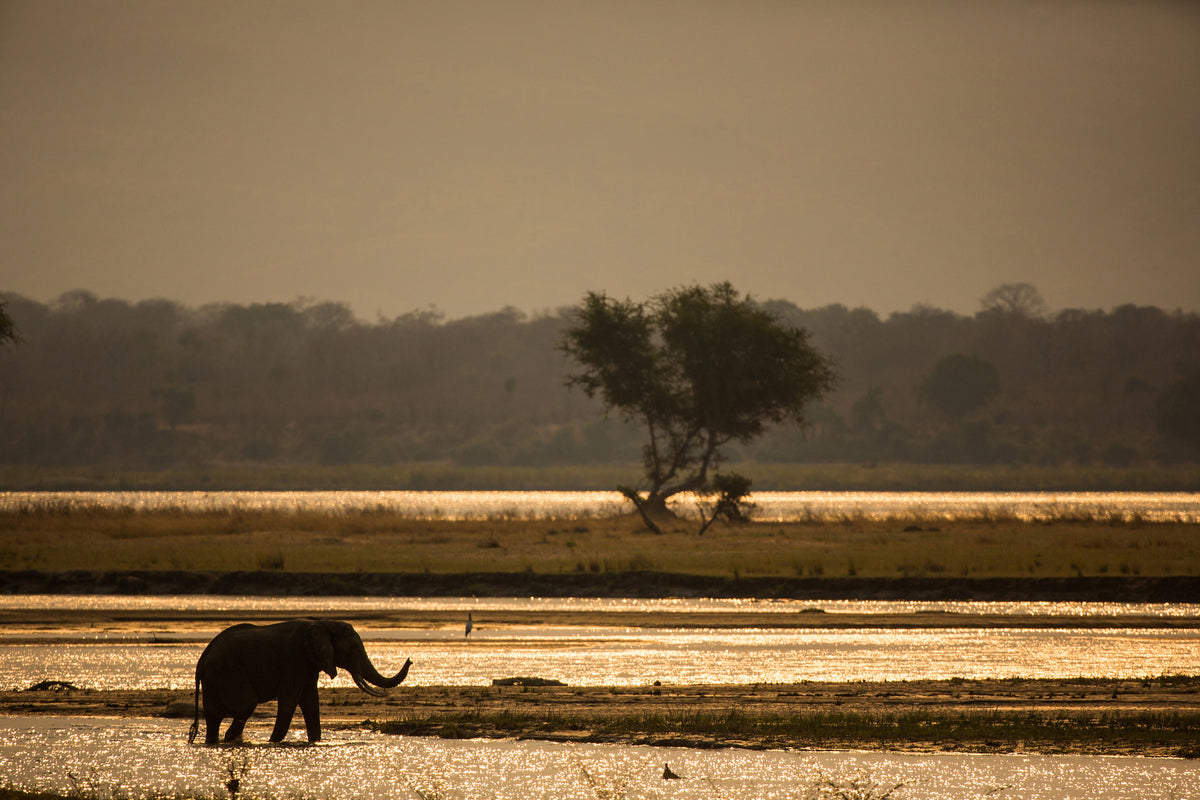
{"type": "Point", "coordinates": [699, 367]}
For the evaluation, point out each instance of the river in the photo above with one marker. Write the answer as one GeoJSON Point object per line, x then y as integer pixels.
{"type": "Point", "coordinates": [157, 656]}
{"type": "Point", "coordinates": [108, 758]}
{"type": "Point", "coordinates": [147, 758]}
{"type": "Point", "coordinates": [772, 506]}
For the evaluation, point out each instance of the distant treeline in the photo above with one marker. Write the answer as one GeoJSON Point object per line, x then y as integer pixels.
{"type": "Point", "coordinates": [157, 384]}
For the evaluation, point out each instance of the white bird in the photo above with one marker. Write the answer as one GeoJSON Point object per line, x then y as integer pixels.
{"type": "Point", "coordinates": [469, 624]}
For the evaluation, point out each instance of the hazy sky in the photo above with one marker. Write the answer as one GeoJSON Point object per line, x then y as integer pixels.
{"type": "Point", "coordinates": [472, 155]}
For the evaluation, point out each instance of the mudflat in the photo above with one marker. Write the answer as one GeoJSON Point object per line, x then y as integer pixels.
{"type": "Point", "coordinates": [1155, 717]}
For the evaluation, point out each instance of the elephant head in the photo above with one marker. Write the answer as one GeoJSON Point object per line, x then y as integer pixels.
{"type": "Point", "coordinates": [330, 644]}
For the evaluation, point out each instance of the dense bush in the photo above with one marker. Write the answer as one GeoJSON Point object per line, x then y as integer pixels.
{"type": "Point", "coordinates": [153, 384]}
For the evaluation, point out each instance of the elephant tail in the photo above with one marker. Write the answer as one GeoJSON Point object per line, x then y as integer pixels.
{"type": "Point", "coordinates": [195, 729]}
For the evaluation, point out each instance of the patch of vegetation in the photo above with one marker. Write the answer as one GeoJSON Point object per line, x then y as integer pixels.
{"type": "Point", "coordinates": [17, 794]}
{"type": "Point", "coordinates": [984, 731]}
{"type": "Point", "coordinates": [59, 536]}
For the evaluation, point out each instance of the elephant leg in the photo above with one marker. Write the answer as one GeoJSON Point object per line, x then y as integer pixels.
{"type": "Point", "coordinates": [283, 719]}
{"type": "Point", "coordinates": [234, 734]}
{"type": "Point", "coordinates": [311, 708]}
{"type": "Point", "coordinates": [212, 728]}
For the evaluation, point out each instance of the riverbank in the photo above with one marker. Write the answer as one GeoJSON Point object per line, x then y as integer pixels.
{"type": "Point", "coordinates": [140, 622]}
{"type": "Point", "coordinates": [1152, 717]}
{"type": "Point", "coordinates": [634, 584]}
{"type": "Point", "coordinates": [380, 551]}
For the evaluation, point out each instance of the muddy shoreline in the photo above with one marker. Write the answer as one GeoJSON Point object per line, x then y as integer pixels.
{"type": "Point", "coordinates": [637, 584]}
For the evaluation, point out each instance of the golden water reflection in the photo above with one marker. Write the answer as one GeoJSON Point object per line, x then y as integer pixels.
{"type": "Point", "coordinates": [638, 657]}
{"type": "Point", "coordinates": [150, 758]}
{"type": "Point", "coordinates": [772, 506]}
{"type": "Point", "coordinates": [592, 605]}
{"type": "Point", "coordinates": [150, 655]}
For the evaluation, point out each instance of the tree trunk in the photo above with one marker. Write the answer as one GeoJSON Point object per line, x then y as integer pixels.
{"type": "Point", "coordinates": [652, 508]}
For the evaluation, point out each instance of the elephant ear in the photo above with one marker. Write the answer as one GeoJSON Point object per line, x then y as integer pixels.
{"type": "Point", "coordinates": [318, 644]}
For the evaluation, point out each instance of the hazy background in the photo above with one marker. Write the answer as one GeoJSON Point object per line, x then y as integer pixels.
{"type": "Point", "coordinates": [469, 155]}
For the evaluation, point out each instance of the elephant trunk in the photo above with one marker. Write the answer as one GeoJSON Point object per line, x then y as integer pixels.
{"type": "Point", "coordinates": [369, 675]}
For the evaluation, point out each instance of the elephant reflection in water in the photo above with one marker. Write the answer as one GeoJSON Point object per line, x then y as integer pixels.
{"type": "Point", "coordinates": [250, 664]}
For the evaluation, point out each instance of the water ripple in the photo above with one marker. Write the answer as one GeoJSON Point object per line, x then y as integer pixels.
{"type": "Point", "coordinates": [148, 758]}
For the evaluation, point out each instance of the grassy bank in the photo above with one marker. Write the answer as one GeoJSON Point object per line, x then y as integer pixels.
{"type": "Point", "coordinates": [1146, 717]}
{"type": "Point", "coordinates": [1175, 733]}
{"type": "Point", "coordinates": [424, 476]}
{"type": "Point", "coordinates": [985, 547]}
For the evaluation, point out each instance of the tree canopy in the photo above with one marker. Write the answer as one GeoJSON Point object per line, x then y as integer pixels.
{"type": "Point", "coordinates": [698, 367]}
{"type": "Point", "coordinates": [309, 384]}
{"type": "Point", "coordinates": [959, 384]}
{"type": "Point", "coordinates": [1177, 412]}
{"type": "Point", "coordinates": [8, 329]}
{"type": "Point", "coordinates": [1022, 299]}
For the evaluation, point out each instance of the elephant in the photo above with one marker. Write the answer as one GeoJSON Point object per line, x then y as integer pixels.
{"type": "Point", "coordinates": [250, 664]}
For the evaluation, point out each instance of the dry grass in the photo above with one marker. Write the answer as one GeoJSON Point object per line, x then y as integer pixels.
{"type": "Point", "coordinates": [384, 541]}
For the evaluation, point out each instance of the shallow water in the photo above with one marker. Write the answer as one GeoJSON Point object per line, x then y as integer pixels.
{"type": "Point", "coordinates": [155, 656]}
{"type": "Point", "coordinates": [638, 657]}
{"type": "Point", "coordinates": [143, 758]}
{"type": "Point", "coordinates": [773, 506]}
{"type": "Point", "coordinates": [482, 605]}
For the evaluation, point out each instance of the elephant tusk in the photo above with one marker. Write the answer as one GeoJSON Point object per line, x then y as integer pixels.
{"type": "Point", "coordinates": [366, 687]}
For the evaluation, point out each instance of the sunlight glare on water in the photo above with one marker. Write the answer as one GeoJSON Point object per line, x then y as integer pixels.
{"type": "Point", "coordinates": [418, 505]}
{"type": "Point", "coordinates": [772, 506]}
{"type": "Point", "coordinates": [148, 758]}
{"type": "Point", "coordinates": [638, 657]}
{"type": "Point", "coordinates": [309, 606]}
